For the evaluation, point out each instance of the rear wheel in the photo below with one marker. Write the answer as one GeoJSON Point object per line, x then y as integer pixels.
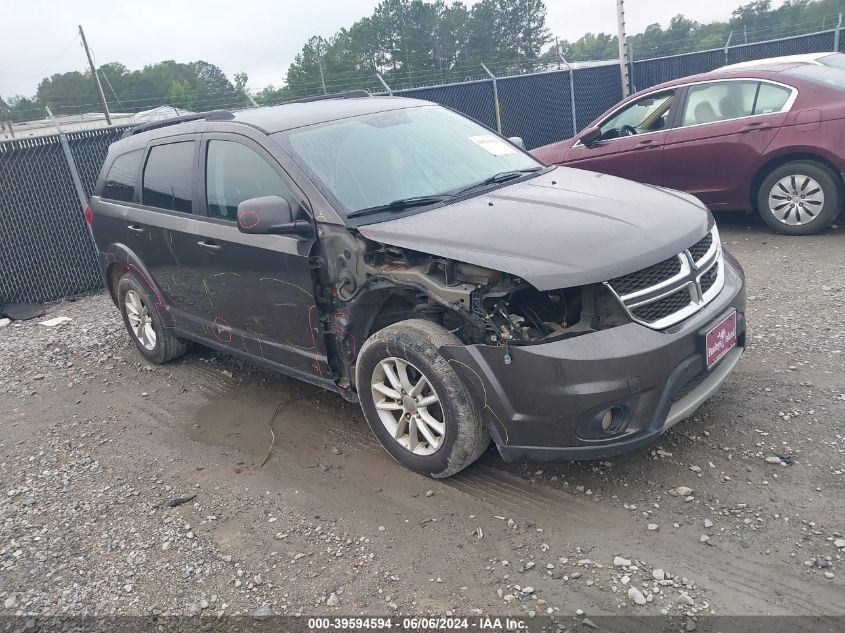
{"type": "Point", "coordinates": [144, 323]}
{"type": "Point", "coordinates": [414, 401]}
{"type": "Point", "coordinates": [799, 198]}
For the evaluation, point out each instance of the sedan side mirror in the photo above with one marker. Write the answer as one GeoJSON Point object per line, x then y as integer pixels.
{"type": "Point", "coordinates": [517, 140]}
{"type": "Point", "coordinates": [270, 215]}
{"type": "Point", "coordinates": [590, 136]}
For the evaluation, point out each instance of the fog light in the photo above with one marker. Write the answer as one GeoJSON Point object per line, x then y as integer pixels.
{"type": "Point", "coordinates": [613, 420]}
{"type": "Point", "coordinates": [604, 424]}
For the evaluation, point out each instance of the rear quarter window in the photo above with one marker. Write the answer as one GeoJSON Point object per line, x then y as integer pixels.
{"type": "Point", "coordinates": [122, 176]}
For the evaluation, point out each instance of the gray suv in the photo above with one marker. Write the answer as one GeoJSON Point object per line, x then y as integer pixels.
{"type": "Point", "coordinates": [411, 260]}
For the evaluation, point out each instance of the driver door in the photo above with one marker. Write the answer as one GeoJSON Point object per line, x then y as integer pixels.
{"type": "Point", "coordinates": [631, 144]}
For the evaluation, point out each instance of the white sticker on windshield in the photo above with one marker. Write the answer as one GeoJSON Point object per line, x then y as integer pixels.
{"type": "Point", "coordinates": [492, 144]}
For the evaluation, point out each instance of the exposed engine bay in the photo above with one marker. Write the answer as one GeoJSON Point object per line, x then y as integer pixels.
{"type": "Point", "coordinates": [366, 286]}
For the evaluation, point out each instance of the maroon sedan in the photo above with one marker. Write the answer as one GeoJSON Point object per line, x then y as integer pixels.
{"type": "Point", "coordinates": [770, 138]}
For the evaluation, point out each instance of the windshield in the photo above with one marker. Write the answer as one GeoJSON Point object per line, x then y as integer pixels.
{"type": "Point", "coordinates": [834, 60]}
{"type": "Point", "coordinates": [826, 75]}
{"type": "Point", "coordinates": [371, 161]}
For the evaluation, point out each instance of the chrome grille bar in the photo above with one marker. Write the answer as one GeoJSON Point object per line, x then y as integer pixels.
{"type": "Point", "coordinates": [677, 296]}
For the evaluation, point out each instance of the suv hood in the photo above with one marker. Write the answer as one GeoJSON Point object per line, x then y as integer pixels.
{"type": "Point", "coordinates": [564, 228]}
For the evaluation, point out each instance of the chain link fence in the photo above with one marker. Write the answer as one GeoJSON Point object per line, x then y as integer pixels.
{"type": "Point", "coordinates": [45, 246]}
{"type": "Point", "coordinates": [46, 251]}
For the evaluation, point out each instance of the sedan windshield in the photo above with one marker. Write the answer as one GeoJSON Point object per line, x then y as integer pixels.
{"type": "Point", "coordinates": [826, 75]}
{"type": "Point", "coordinates": [402, 159]}
{"type": "Point", "coordinates": [834, 60]}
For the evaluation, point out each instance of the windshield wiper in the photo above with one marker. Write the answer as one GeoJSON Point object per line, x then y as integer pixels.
{"type": "Point", "coordinates": [502, 176]}
{"type": "Point", "coordinates": [400, 205]}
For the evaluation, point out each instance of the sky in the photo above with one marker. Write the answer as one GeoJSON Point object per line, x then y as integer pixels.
{"type": "Point", "coordinates": [261, 37]}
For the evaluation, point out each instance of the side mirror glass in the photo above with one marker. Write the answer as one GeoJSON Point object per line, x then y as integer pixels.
{"type": "Point", "coordinates": [517, 140]}
{"type": "Point", "coordinates": [263, 215]}
{"type": "Point", "coordinates": [590, 136]}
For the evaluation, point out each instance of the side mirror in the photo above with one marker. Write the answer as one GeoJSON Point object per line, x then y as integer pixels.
{"type": "Point", "coordinates": [270, 215]}
{"type": "Point", "coordinates": [517, 140]}
{"type": "Point", "coordinates": [590, 136]}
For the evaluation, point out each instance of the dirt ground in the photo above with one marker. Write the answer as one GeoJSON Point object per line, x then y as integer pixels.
{"type": "Point", "coordinates": [96, 445]}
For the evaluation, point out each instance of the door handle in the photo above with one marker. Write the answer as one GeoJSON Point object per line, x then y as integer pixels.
{"type": "Point", "coordinates": [645, 144]}
{"type": "Point", "coordinates": [209, 245]}
{"type": "Point", "coordinates": [759, 125]}
{"type": "Point", "coordinates": [135, 229]}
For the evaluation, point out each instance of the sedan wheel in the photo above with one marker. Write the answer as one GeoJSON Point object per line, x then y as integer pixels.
{"type": "Point", "coordinates": [140, 320]}
{"type": "Point", "coordinates": [800, 198]}
{"type": "Point", "coordinates": [408, 406]}
{"type": "Point", "coordinates": [796, 200]}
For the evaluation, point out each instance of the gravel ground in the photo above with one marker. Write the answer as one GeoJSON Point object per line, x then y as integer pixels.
{"type": "Point", "coordinates": [133, 489]}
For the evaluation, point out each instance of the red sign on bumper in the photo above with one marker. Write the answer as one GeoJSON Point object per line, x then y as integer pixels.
{"type": "Point", "coordinates": [721, 339]}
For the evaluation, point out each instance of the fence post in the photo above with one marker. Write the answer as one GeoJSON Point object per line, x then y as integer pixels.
{"type": "Point", "coordinates": [571, 92]}
{"type": "Point", "coordinates": [384, 83]}
{"type": "Point", "coordinates": [727, 46]}
{"type": "Point", "coordinates": [836, 35]}
{"type": "Point", "coordinates": [495, 99]}
{"type": "Point", "coordinates": [631, 64]}
{"type": "Point", "coordinates": [71, 164]}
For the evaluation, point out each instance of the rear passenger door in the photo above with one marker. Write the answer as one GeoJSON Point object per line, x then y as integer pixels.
{"type": "Point", "coordinates": [724, 128]}
{"type": "Point", "coordinates": [161, 228]}
{"type": "Point", "coordinates": [254, 293]}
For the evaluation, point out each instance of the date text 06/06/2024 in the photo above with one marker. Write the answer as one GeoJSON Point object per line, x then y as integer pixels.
{"type": "Point", "coordinates": [424, 623]}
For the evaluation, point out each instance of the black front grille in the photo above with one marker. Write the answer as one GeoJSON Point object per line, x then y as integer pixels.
{"type": "Point", "coordinates": [690, 386]}
{"type": "Point", "coordinates": [700, 248]}
{"type": "Point", "coordinates": [709, 278]}
{"type": "Point", "coordinates": [664, 307]}
{"type": "Point", "coordinates": [647, 277]}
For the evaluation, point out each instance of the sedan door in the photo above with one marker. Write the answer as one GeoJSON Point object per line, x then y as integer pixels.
{"type": "Point", "coordinates": [631, 141]}
{"type": "Point", "coordinates": [724, 129]}
{"type": "Point", "coordinates": [256, 291]}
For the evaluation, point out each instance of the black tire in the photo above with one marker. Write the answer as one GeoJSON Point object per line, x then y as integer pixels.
{"type": "Point", "coordinates": [818, 218]}
{"type": "Point", "coordinates": [417, 342]}
{"type": "Point", "coordinates": [166, 346]}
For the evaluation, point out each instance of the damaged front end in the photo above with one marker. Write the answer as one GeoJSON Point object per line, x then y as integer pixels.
{"type": "Point", "coordinates": [557, 374]}
{"type": "Point", "coordinates": [365, 286]}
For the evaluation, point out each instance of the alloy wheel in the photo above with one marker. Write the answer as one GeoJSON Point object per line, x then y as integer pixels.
{"type": "Point", "coordinates": [796, 199]}
{"type": "Point", "coordinates": [140, 320]}
{"type": "Point", "coordinates": [408, 406]}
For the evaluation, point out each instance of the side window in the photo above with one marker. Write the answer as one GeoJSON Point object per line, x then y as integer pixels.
{"type": "Point", "coordinates": [719, 101]}
{"type": "Point", "coordinates": [771, 98]}
{"type": "Point", "coordinates": [648, 114]}
{"type": "Point", "coordinates": [168, 177]}
{"type": "Point", "coordinates": [235, 173]}
{"type": "Point", "coordinates": [123, 173]}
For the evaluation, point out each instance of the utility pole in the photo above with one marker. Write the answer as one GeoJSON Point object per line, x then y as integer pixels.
{"type": "Point", "coordinates": [624, 58]}
{"type": "Point", "coordinates": [97, 83]}
{"type": "Point", "coordinates": [322, 77]}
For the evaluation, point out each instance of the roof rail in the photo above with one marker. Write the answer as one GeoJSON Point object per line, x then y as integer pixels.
{"type": "Point", "coordinates": [352, 94]}
{"type": "Point", "coordinates": [214, 115]}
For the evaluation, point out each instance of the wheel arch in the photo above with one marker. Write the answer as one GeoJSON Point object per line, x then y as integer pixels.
{"type": "Point", "coordinates": [783, 159]}
{"type": "Point", "coordinates": [120, 260]}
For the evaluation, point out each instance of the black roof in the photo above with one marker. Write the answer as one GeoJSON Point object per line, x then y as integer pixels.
{"type": "Point", "coordinates": [297, 114]}
{"type": "Point", "coordinates": [268, 119]}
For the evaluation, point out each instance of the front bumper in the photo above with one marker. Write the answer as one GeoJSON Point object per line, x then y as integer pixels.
{"type": "Point", "coordinates": [536, 406]}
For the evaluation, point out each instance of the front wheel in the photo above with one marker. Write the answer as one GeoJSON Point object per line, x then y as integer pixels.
{"type": "Point", "coordinates": [799, 198]}
{"type": "Point", "coordinates": [414, 401]}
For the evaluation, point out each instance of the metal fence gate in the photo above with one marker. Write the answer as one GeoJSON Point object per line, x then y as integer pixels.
{"type": "Point", "coordinates": [45, 248]}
